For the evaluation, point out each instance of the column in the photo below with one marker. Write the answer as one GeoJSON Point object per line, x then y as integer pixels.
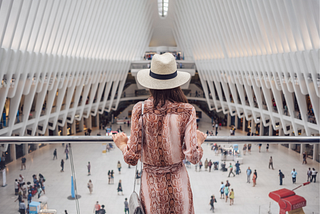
{"type": "Point", "coordinates": [89, 122]}
{"type": "Point", "coordinates": [270, 130]}
{"type": "Point", "coordinates": [73, 127]}
{"type": "Point", "coordinates": [236, 121]}
{"type": "Point", "coordinates": [64, 130]}
{"type": "Point", "coordinates": [244, 124]}
{"type": "Point", "coordinates": [316, 152]}
{"type": "Point", "coordinates": [13, 152]}
{"type": "Point", "coordinates": [81, 124]}
{"type": "Point", "coordinates": [303, 148]}
{"type": "Point", "coordinates": [25, 149]}
{"type": "Point", "coordinates": [55, 131]}
{"type": "Point", "coordinates": [97, 120]}
{"type": "Point", "coordinates": [280, 132]}
{"type": "Point", "coordinates": [291, 146]}
{"type": "Point", "coordinates": [253, 127]}
{"type": "Point", "coordinates": [228, 121]}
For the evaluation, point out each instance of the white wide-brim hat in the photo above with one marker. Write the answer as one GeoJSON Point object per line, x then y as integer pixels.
{"type": "Point", "coordinates": [163, 73]}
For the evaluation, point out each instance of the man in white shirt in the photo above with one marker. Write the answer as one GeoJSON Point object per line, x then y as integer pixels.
{"type": "Point", "coordinates": [21, 179]}
{"type": "Point", "coordinates": [294, 175]}
{"type": "Point", "coordinates": [22, 207]}
{"type": "Point", "coordinates": [16, 187]}
{"type": "Point", "coordinates": [314, 175]}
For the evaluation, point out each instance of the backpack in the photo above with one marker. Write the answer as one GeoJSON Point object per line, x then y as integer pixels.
{"type": "Point", "coordinates": [282, 175]}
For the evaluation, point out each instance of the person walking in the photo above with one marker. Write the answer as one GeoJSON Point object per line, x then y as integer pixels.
{"type": "Point", "coordinates": [55, 154]}
{"type": "Point", "coordinates": [210, 165]}
{"type": "Point", "coordinates": [231, 170]}
{"type": "Point", "coordinates": [62, 165]}
{"type": "Point", "coordinates": [102, 210]}
{"type": "Point", "coordinates": [120, 188]}
{"type": "Point", "coordinates": [119, 167]}
{"type": "Point", "coordinates": [200, 165]}
{"type": "Point", "coordinates": [90, 186]}
{"type": "Point", "coordinates": [249, 172]}
{"type": "Point", "coordinates": [254, 179]}
{"type": "Point", "coordinates": [112, 177]}
{"type": "Point", "coordinates": [162, 148]}
{"type": "Point", "coordinates": [222, 190]}
{"type": "Point", "coordinates": [206, 164]}
{"type": "Point", "coordinates": [211, 203]}
{"type": "Point", "coordinates": [16, 187]}
{"type": "Point", "coordinates": [67, 152]}
{"type": "Point", "coordinates": [281, 177]}
{"type": "Point", "coordinates": [267, 147]}
{"type": "Point", "coordinates": [249, 148]}
{"type": "Point", "coordinates": [96, 208]}
{"type": "Point", "coordinates": [22, 207]}
{"type": "Point", "coordinates": [255, 173]}
{"type": "Point", "coordinates": [309, 174]}
{"type": "Point", "coordinates": [271, 162]}
{"type": "Point", "coordinates": [89, 168]}
{"type": "Point", "coordinates": [109, 176]}
{"type": "Point", "coordinates": [226, 192]}
{"type": "Point", "coordinates": [294, 176]}
{"type": "Point", "coordinates": [23, 163]}
{"type": "Point", "coordinates": [260, 147]}
{"type": "Point", "coordinates": [238, 171]}
{"type": "Point", "coordinates": [314, 175]}
{"type": "Point", "coordinates": [231, 196]}
{"type": "Point", "coordinates": [244, 149]}
{"type": "Point", "coordinates": [126, 206]}
{"type": "Point", "coordinates": [304, 158]}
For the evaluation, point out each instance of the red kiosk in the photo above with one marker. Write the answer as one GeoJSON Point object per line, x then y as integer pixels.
{"type": "Point", "coordinates": [289, 201]}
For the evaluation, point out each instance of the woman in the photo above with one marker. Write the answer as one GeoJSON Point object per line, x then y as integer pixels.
{"type": "Point", "coordinates": [90, 186]}
{"type": "Point", "coordinates": [119, 189]}
{"type": "Point", "coordinates": [244, 149]}
{"type": "Point", "coordinates": [170, 135]}
{"type": "Point", "coordinates": [231, 196]}
{"type": "Point", "coordinates": [62, 165]}
{"type": "Point", "coordinates": [119, 167]}
{"type": "Point", "coordinates": [109, 176]}
{"type": "Point", "coordinates": [89, 168]}
{"type": "Point", "coordinates": [112, 177]}
{"type": "Point", "coordinates": [254, 177]}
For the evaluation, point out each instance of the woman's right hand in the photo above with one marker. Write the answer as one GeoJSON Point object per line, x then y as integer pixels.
{"type": "Point", "coordinates": [120, 140]}
{"type": "Point", "coordinates": [201, 137]}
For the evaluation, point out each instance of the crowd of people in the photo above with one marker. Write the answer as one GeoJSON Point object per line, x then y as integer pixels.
{"type": "Point", "coordinates": [27, 190]}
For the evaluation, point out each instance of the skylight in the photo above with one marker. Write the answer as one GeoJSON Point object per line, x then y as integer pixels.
{"type": "Point", "coordinates": [163, 6]}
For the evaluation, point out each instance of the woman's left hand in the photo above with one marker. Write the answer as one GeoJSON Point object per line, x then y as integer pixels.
{"type": "Point", "coordinates": [120, 140]}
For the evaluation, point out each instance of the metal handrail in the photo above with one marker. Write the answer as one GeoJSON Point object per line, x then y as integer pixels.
{"type": "Point", "coordinates": [213, 139]}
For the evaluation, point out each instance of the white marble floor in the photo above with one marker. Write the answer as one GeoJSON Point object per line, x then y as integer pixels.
{"type": "Point", "coordinates": [248, 199]}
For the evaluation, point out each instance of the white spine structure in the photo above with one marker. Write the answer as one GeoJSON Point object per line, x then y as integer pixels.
{"type": "Point", "coordinates": [256, 59]}
{"type": "Point", "coordinates": [63, 56]}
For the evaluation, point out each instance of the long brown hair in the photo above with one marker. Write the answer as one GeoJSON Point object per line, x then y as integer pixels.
{"type": "Point", "coordinates": [172, 95]}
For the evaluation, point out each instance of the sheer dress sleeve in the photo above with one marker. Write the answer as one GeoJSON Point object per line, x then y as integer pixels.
{"type": "Point", "coordinates": [192, 151]}
{"type": "Point", "coordinates": [132, 152]}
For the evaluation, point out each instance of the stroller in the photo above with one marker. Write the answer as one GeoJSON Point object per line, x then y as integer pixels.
{"type": "Point", "coordinates": [216, 165]}
{"type": "Point", "coordinates": [223, 167]}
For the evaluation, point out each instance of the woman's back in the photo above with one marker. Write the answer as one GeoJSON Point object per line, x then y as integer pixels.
{"type": "Point", "coordinates": [169, 133]}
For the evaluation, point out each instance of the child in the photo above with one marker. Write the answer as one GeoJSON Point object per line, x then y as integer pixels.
{"type": "Point", "coordinates": [231, 196]}
{"type": "Point", "coordinates": [212, 201]}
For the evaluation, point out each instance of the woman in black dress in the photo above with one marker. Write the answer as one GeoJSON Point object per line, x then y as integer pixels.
{"type": "Point", "coordinates": [120, 187]}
